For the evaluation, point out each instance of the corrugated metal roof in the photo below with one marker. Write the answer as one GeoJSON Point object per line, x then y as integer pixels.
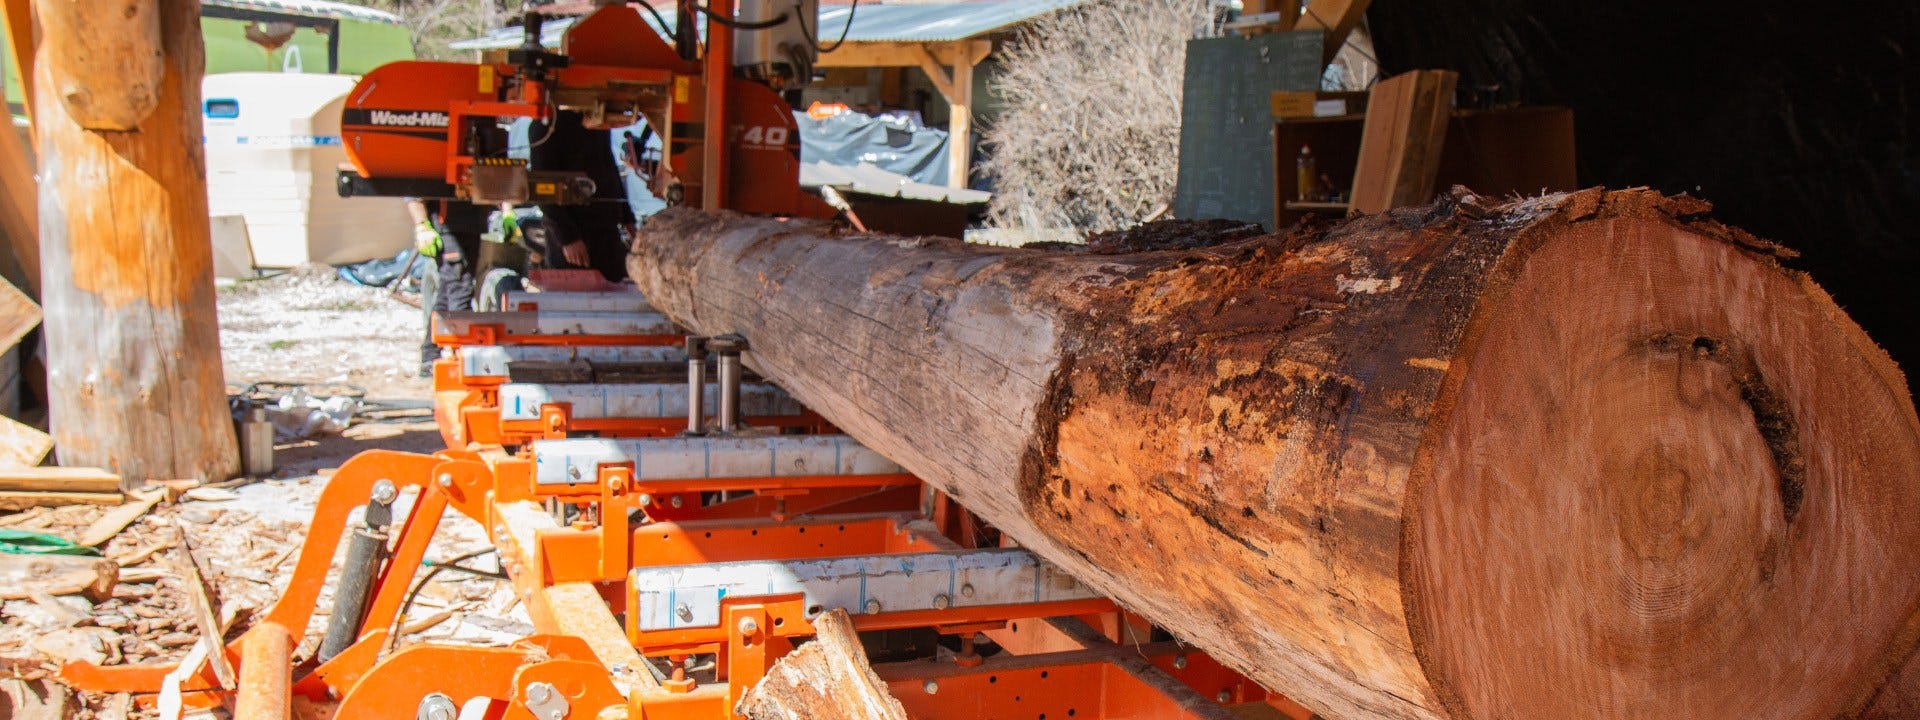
{"type": "Point", "coordinates": [917, 22]}
{"type": "Point", "coordinates": [930, 22]}
{"type": "Point", "coordinates": [311, 8]}
{"type": "Point", "coordinates": [866, 179]}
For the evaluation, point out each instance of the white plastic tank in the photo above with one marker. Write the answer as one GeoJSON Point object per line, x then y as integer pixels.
{"type": "Point", "coordinates": [273, 151]}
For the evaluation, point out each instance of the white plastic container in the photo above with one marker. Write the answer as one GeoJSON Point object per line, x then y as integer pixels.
{"type": "Point", "coordinates": [273, 152]}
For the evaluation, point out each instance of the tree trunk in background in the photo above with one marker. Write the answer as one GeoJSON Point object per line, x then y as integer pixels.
{"type": "Point", "coordinates": [1580, 455]}
{"type": "Point", "coordinates": [133, 343]}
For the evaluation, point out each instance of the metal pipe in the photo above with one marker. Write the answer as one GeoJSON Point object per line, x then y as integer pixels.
{"type": "Point", "coordinates": [729, 347]}
{"type": "Point", "coordinates": [266, 674]}
{"type": "Point", "coordinates": [365, 551]}
{"type": "Point", "coordinates": [716, 70]}
{"type": "Point", "coordinates": [696, 385]}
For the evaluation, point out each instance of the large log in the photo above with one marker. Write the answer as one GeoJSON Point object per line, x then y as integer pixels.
{"type": "Point", "coordinates": [1585, 455]}
{"type": "Point", "coordinates": [132, 342]}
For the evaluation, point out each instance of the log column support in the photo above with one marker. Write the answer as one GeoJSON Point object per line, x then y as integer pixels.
{"type": "Point", "coordinates": [133, 343]}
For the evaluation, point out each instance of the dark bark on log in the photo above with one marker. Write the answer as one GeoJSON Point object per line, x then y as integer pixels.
{"type": "Point", "coordinates": [133, 346]}
{"type": "Point", "coordinates": [1580, 455]}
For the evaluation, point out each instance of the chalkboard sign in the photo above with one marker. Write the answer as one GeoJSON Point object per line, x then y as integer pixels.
{"type": "Point", "coordinates": [1226, 120]}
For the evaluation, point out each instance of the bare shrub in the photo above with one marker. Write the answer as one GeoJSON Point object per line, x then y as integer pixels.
{"type": "Point", "coordinates": [1090, 135]}
{"type": "Point", "coordinates": [434, 23]}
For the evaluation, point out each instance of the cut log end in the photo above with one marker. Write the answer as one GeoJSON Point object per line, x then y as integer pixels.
{"type": "Point", "coordinates": [1670, 480]}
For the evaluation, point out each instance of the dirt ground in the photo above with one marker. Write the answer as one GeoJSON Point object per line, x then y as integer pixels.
{"type": "Point", "coordinates": [309, 326]}
{"type": "Point", "coordinates": [301, 327]}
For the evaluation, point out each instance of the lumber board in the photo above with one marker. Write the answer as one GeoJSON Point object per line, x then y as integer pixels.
{"type": "Point", "coordinates": [1413, 465]}
{"type": "Point", "coordinates": [19, 213]}
{"type": "Point", "coordinates": [111, 522]}
{"type": "Point", "coordinates": [205, 605]}
{"type": "Point", "coordinates": [1401, 142]}
{"type": "Point", "coordinates": [23, 499]}
{"type": "Point", "coordinates": [21, 446]}
{"type": "Point", "coordinates": [59, 479]}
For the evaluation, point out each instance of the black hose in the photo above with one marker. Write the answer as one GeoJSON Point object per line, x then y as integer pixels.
{"type": "Point", "coordinates": [656, 18]}
{"type": "Point", "coordinates": [813, 35]}
{"type": "Point", "coordinates": [393, 630]}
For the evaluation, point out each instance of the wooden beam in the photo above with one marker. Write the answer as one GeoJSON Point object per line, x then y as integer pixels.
{"type": "Point", "coordinates": [900, 54]}
{"type": "Point", "coordinates": [19, 218]}
{"type": "Point", "coordinates": [1337, 17]}
{"type": "Point", "coordinates": [22, 38]}
{"type": "Point", "coordinates": [67, 479]}
{"type": "Point", "coordinates": [960, 122]}
{"type": "Point", "coordinates": [10, 500]}
{"type": "Point", "coordinates": [577, 609]}
{"type": "Point", "coordinates": [134, 382]}
{"type": "Point", "coordinates": [941, 80]}
{"type": "Point", "coordinates": [19, 214]}
{"type": "Point", "coordinates": [1401, 142]}
{"type": "Point", "coordinates": [957, 88]}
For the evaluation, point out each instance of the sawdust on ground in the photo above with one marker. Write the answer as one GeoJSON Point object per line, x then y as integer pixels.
{"type": "Point", "coordinates": [306, 326]}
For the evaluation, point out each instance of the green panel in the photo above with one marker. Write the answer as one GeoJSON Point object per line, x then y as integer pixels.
{"type": "Point", "coordinates": [1226, 120]}
{"type": "Point", "coordinates": [15, 102]}
{"type": "Point", "coordinates": [363, 47]}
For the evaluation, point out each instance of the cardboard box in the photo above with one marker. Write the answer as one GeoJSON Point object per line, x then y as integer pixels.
{"type": "Point", "coordinates": [1292, 105]}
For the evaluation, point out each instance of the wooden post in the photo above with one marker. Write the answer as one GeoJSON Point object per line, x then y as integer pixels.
{"type": "Point", "coordinates": [21, 41]}
{"type": "Point", "coordinates": [133, 344]}
{"type": "Point", "coordinates": [957, 88]}
{"type": "Point", "coordinates": [19, 226]}
{"type": "Point", "coordinates": [960, 125]}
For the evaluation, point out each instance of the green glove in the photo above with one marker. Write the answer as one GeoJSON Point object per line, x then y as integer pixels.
{"type": "Point", "coordinates": [24, 542]}
{"type": "Point", "coordinates": [426, 239]}
{"type": "Point", "coordinates": [509, 226]}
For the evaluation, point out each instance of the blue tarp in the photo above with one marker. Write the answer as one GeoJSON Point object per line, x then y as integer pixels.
{"type": "Point", "coordinates": [896, 144]}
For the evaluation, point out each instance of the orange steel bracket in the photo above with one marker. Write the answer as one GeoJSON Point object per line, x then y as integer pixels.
{"type": "Point", "coordinates": [754, 643]}
{"type": "Point", "coordinates": [349, 488]}
{"type": "Point", "coordinates": [615, 482]}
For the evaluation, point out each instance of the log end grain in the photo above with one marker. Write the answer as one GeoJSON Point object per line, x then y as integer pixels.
{"type": "Point", "coordinates": [1666, 478]}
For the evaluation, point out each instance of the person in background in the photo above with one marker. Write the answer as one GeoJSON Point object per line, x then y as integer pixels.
{"type": "Point", "coordinates": [449, 232]}
{"type": "Point", "coordinates": [592, 235]}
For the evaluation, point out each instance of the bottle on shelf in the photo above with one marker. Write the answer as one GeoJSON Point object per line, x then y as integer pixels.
{"type": "Point", "coordinates": [1306, 179]}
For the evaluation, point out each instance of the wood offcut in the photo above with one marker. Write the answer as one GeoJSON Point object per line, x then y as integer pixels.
{"type": "Point", "coordinates": [826, 679]}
